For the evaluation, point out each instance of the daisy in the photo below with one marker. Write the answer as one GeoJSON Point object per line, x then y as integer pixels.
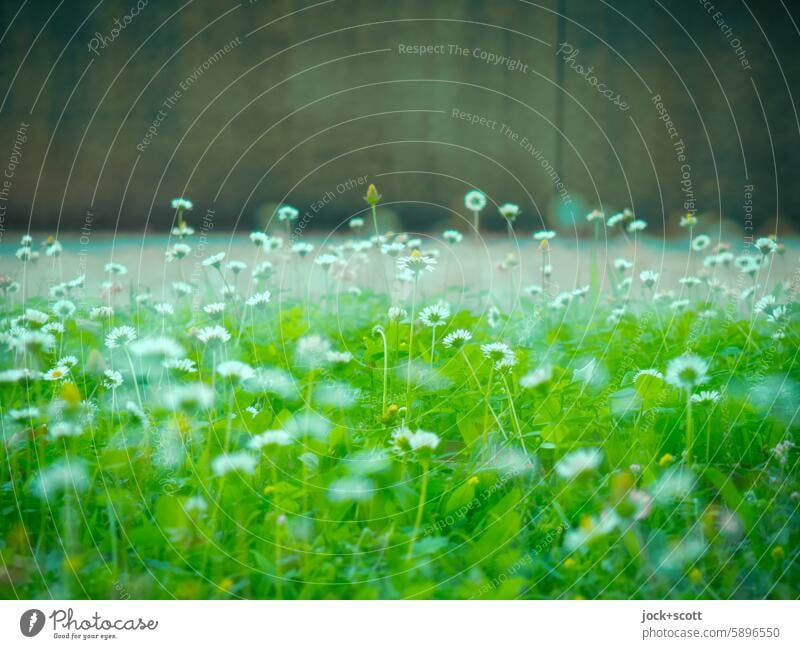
{"type": "Point", "coordinates": [181, 364]}
{"type": "Point", "coordinates": [23, 414]}
{"type": "Point", "coordinates": [544, 235]}
{"type": "Point", "coordinates": [235, 370]}
{"type": "Point", "coordinates": [452, 236]}
{"type": "Point", "coordinates": [68, 361]}
{"type": "Point", "coordinates": [238, 462]}
{"type": "Point", "coordinates": [475, 200]}
{"type": "Point", "coordinates": [57, 373]}
{"type": "Point", "coordinates": [396, 313]}
{"type": "Point", "coordinates": [423, 440]}
{"type": "Point", "coordinates": [435, 315]}
{"type": "Point", "coordinates": [214, 309]}
{"type": "Point", "coordinates": [325, 261]}
{"type": "Point", "coordinates": [113, 379]}
{"type": "Point", "coordinates": [687, 371]}
{"type": "Point", "coordinates": [701, 242]}
{"type": "Point", "coordinates": [765, 304]}
{"type": "Point", "coordinates": [688, 221]}
{"type": "Point", "coordinates": [214, 261]}
{"type": "Point", "coordinates": [101, 312]}
{"type": "Point", "coordinates": [392, 249]}
{"type": "Point", "coordinates": [287, 213]}
{"type": "Point", "coordinates": [182, 289]}
{"type": "Point", "coordinates": [67, 475]}
{"type": "Point", "coordinates": [340, 358]}
{"type": "Point", "coordinates": [164, 308]}
{"type": "Point", "coordinates": [615, 219]}
{"type": "Point", "coordinates": [648, 372]}
{"type": "Point", "coordinates": [356, 223]}
{"type": "Point", "coordinates": [182, 204]}
{"type": "Point", "coordinates": [159, 346]}
{"type": "Point", "coordinates": [706, 396]}
{"type": "Point", "coordinates": [63, 309]}
{"type": "Point", "coordinates": [622, 264]}
{"type": "Point", "coordinates": [579, 462]}
{"type": "Point", "coordinates": [301, 248]}
{"type": "Point", "coordinates": [417, 263]}
{"type": "Point", "coordinates": [766, 245]}
{"type": "Point", "coordinates": [260, 239]}
{"type": "Point", "coordinates": [457, 339]}
{"type": "Point", "coordinates": [35, 316]}
{"type": "Point", "coordinates": [595, 215]}
{"type": "Point", "coordinates": [178, 251]}
{"type": "Point", "coordinates": [259, 299]}
{"type": "Point", "coordinates": [183, 230]}
{"type": "Point", "coordinates": [120, 337]}
{"type": "Point", "coordinates": [215, 333]}
{"type": "Point", "coordinates": [690, 281]}
{"type": "Point", "coordinates": [649, 278]}
{"type": "Point", "coordinates": [54, 327]}
{"type": "Point", "coordinates": [195, 505]}
{"type": "Point", "coordinates": [747, 264]}
{"type": "Point", "coordinates": [270, 438]}
{"type": "Point", "coordinates": [509, 211]}
{"type": "Point", "coordinates": [312, 350]}
{"type": "Point", "coordinates": [498, 353]}
{"type": "Point", "coordinates": [262, 270]}
{"type": "Point", "coordinates": [115, 269]}
{"type": "Point", "coordinates": [235, 266]}
{"type": "Point", "coordinates": [777, 314]}
{"type": "Point", "coordinates": [637, 225]}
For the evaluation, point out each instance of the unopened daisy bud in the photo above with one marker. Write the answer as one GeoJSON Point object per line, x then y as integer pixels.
{"type": "Point", "coordinates": [372, 196]}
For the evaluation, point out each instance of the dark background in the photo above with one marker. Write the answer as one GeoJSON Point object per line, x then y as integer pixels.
{"type": "Point", "coordinates": [308, 98]}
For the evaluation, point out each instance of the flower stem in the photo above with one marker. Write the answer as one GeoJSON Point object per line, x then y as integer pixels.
{"type": "Point", "coordinates": [423, 494]}
{"type": "Point", "coordinates": [689, 428]}
{"type": "Point", "coordinates": [411, 345]}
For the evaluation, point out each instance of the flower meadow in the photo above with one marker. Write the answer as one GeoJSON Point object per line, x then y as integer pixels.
{"type": "Point", "coordinates": [224, 437]}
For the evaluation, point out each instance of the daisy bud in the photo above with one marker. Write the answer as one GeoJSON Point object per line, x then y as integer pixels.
{"type": "Point", "coordinates": [372, 196]}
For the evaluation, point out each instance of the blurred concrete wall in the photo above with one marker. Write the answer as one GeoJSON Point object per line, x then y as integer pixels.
{"type": "Point", "coordinates": [241, 105]}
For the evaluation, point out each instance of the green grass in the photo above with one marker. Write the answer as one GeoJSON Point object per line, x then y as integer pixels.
{"type": "Point", "coordinates": [558, 474]}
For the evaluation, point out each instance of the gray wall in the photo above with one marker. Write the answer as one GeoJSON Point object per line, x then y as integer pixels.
{"type": "Point", "coordinates": [309, 101]}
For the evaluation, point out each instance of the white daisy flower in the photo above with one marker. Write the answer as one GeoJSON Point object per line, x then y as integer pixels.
{"type": "Point", "coordinates": [499, 353]}
{"type": "Point", "coordinates": [312, 350]}
{"type": "Point", "coordinates": [259, 299]}
{"type": "Point", "coordinates": [160, 346]}
{"type": "Point", "coordinates": [475, 200]}
{"type": "Point", "coordinates": [396, 313]}
{"type": "Point", "coordinates": [452, 236]}
{"type": "Point", "coordinates": [214, 261]}
{"type": "Point", "coordinates": [214, 309]}
{"type": "Point", "coordinates": [435, 315]}
{"type": "Point", "coordinates": [687, 371]}
{"type": "Point", "coordinates": [701, 242]}
{"type": "Point", "coordinates": [63, 309]}
{"type": "Point", "coordinates": [182, 289]}
{"type": "Point", "coordinates": [509, 211]}
{"type": "Point", "coordinates": [302, 248]}
{"type": "Point", "coordinates": [101, 313]}
{"type": "Point", "coordinates": [457, 339]}
{"type": "Point", "coordinates": [579, 462]}
{"type": "Point", "coordinates": [417, 263]}
{"type": "Point", "coordinates": [178, 251]}
{"type": "Point", "coordinates": [260, 239]}
{"type": "Point", "coordinates": [113, 379]}
{"type": "Point", "coordinates": [706, 396]}
{"type": "Point", "coordinates": [215, 333]}
{"type": "Point", "coordinates": [181, 364]}
{"type": "Point", "coordinates": [595, 215]}
{"type": "Point", "coordinates": [24, 414]}
{"type": "Point", "coordinates": [637, 225]}
{"type": "Point", "coordinates": [68, 361]}
{"type": "Point", "coordinates": [392, 249]}
{"type": "Point", "coordinates": [57, 373]}
{"type": "Point", "coordinates": [182, 204]}
{"type": "Point", "coordinates": [649, 278]}
{"type": "Point", "coordinates": [235, 370]}
{"type": "Point", "coordinates": [115, 269]}
{"type": "Point", "coordinates": [237, 462]}
{"type": "Point", "coordinates": [338, 357]}
{"type": "Point", "coordinates": [766, 245]}
{"type": "Point", "coordinates": [120, 337]}
{"type": "Point", "coordinates": [67, 475]}
{"type": "Point", "coordinates": [287, 213]}
{"type": "Point", "coordinates": [164, 308]}
{"type": "Point", "coordinates": [270, 438]}
{"type": "Point", "coordinates": [235, 266]}
{"type": "Point", "coordinates": [262, 270]}
{"type": "Point", "coordinates": [183, 230]}
{"type": "Point", "coordinates": [35, 316]}
{"type": "Point", "coordinates": [54, 327]}
{"type": "Point", "coordinates": [325, 261]}
{"type": "Point", "coordinates": [622, 264]}
{"type": "Point", "coordinates": [356, 223]}
{"type": "Point", "coordinates": [544, 235]}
